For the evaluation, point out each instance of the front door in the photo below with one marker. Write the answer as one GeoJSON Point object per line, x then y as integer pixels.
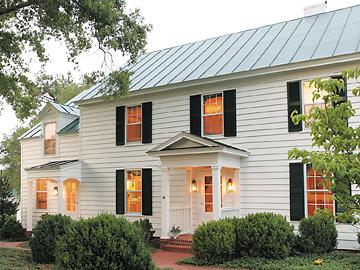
{"type": "Point", "coordinates": [71, 198]}
{"type": "Point", "coordinates": [207, 202]}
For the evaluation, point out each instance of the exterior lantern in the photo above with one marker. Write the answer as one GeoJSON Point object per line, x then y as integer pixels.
{"type": "Point", "coordinates": [55, 191]}
{"type": "Point", "coordinates": [230, 185]}
{"type": "Point", "coordinates": [193, 186]}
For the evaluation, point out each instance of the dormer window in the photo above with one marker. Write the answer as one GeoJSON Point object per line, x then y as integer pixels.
{"type": "Point", "coordinates": [50, 138]}
{"type": "Point", "coordinates": [213, 114]}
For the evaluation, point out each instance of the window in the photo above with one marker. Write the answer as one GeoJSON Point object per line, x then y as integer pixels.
{"type": "Point", "coordinates": [133, 191]}
{"type": "Point", "coordinates": [50, 140]}
{"type": "Point", "coordinates": [308, 99]}
{"type": "Point", "coordinates": [41, 194]}
{"type": "Point", "coordinates": [213, 114]}
{"type": "Point", "coordinates": [317, 195]}
{"type": "Point", "coordinates": [208, 194]}
{"type": "Point", "coordinates": [133, 127]}
{"type": "Point", "coordinates": [70, 187]}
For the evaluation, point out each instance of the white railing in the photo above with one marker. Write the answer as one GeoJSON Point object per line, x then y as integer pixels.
{"type": "Point", "coordinates": [181, 217]}
{"type": "Point", "coordinates": [229, 212]}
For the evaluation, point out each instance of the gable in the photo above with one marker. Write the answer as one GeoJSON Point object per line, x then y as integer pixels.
{"type": "Point", "coordinates": [184, 143]}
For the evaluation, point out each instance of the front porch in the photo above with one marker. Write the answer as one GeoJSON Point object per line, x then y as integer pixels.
{"type": "Point", "coordinates": [200, 182]}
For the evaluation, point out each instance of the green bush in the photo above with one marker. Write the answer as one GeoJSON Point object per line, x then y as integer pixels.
{"type": "Point", "coordinates": [317, 234]}
{"type": "Point", "coordinates": [12, 230]}
{"type": "Point", "coordinates": [146, 229]}
{"type": "Point", "coordinates": [264, 235]}
{"type": "Point", "coordinates": [48, 230]}
{"type": "Point", "coordinates": [215, 241]}
{"type": "Point", "coordinates": [103, 242]}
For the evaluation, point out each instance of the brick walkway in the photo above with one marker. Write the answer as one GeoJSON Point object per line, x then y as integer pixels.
{"type": "Point", "coordinates": [167, 259]}
{"type": "Point", "coordinates": [12, 245]}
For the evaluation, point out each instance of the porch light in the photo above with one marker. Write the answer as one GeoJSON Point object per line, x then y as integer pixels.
{"type": "Point", "coordinates": [193, 186]}
{"type": "Point", "coordinates": [230, 185]}
{"type": "Point", "coordinates": [55, 191]}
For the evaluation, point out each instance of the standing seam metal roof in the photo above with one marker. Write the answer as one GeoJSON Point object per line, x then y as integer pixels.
{"type": "Point", "coordinates": [313, 37]}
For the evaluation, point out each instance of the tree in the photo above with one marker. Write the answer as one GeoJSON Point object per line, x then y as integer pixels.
{"type": "Point", "coordinates": [335, 141]}
{"type": "Point", "coordinates": [8, 204]}
{"type": "Point", "coordinates": [25, 26]}
{"type": "Point", "coordinates": [60, 89]}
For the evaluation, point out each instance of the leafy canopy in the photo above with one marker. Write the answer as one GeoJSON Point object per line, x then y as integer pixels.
{"type": "Point", "coordinates": [8, 204]}
{"type": "Point", "coordinates": [335, 139]}
{"type": "Point", "coordinates": [26, 25]}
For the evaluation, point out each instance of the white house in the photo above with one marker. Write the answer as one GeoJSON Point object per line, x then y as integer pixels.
{"type": "Point", "coordinates": [204, 133]}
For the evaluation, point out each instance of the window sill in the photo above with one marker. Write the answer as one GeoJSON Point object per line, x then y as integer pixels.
{"type": "Point", "coordinates": [214, 137]}
{"type": "Point", "coordinates": [133, 215]}
{"type": "Point", "coordinates": [133, 144]}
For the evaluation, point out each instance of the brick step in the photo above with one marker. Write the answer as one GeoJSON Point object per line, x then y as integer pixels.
{"type": "Point", "coordinates": [177, 248]}
{"type": "Point", "coordinates": [180, 242]}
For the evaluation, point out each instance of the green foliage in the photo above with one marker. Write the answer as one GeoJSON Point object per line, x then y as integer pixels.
{"type": "Point", "coordinates": [146, 229]}
{"type": "Point", "coordinates": [103, 242]}
{"type": "Point", "coordinates": [8, 204]}
{"type": "Point", "coordinates": [317, 234]}
{"type": "Point", "coordinates": [26, 25]}
{"type": "Point", "coordinates": [265, 235]}
{"type": "Point", "coordinates": [215, 241]}
{"type": "Point", "coordinates": [12, 230]}
{"type": "Point", "coordinates": [339, 160]}
{"type": "Point", "coordinates": [47, 232]}
{"type": "Point", "coordinates": [332, 261]}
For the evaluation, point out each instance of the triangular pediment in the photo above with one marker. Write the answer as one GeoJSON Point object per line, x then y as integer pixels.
{"type": "Point", "coordinates": [184, 143]}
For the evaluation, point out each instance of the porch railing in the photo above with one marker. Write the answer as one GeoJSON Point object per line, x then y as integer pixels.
{"type": "Point", "coordinates": [229, 212]}
{"type": "Point", "coordinates": [181, 217]}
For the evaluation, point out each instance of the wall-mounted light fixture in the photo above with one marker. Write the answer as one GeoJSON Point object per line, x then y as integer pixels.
{"type": "Point", "coordinates": [193, 185]}
{"type": "Point", "coordinates": [55, 190]}
{"type": "Point", "coordinates": [230, 185]}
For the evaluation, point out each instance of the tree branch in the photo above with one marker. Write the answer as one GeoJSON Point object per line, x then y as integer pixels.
{"type": "Point", "coordinates": [17, 7]}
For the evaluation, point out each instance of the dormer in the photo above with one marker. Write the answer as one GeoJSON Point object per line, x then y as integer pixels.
{"type": "Point", "coordinates": [54, 117]}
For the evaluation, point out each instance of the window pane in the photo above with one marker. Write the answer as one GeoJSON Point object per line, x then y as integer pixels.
{"type": "Point", "coordinates": [41, 200]}
{"type": "Point", "coordinates": [70, 196]}
{"type": "Point", "coordinates": [50, 146]}
{"type": "Point", "coordinates": [50, 131]}
{"type": "Point", "coordinates": [213, 124]}
{"type": "Point", "coordinates": [133, 202]}
{"type": "Point", "coordinates": [308, 94]}
{"type": "Point", "coordinates": [134, 114]}
{"type": "Point", "coordinates": [41, 185]}
{"type": "Point", "coordinates": [208, 207]}
{"type": "Point", "coordinates": [311, 197]}
{"type": "Point", "coordinates": [134, 133]}
{"type": "Point", "coordinates": [213, 104]}
{"type": "Point", "coordinates": [134, 180]}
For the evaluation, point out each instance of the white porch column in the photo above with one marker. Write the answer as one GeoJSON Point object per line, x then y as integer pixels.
{"type": "Point", "coordinates": [216, 181]}
{"type": "Point", "coordinates": [237, 187]}
{"type": "Point", "coordinates": [29, 217]}
{"type": "Point", "coordinates": [61, 200]}
{"type": "Point", "coordinates": [165, 203]}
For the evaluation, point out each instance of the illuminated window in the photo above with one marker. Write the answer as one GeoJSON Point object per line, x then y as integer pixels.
{"type": "Point", "coordinates": [41, 194]}
{"type": "Point", "coordinates": [71, 189]}
{"type": "Point", "coordinates": [213, 114]}
{"type": "Point", "coordinates": [317, 194]}
{"type": "Point", "coordinates": [133, 191]}
{"type": "Point", "coordinates": [50, 138]}
{"type": "Point", "coordinates": [308, 99]}
{"type": "Point", "coordinates": [134, 119]}
{"type": "Point", "coordinates": [208, 194]}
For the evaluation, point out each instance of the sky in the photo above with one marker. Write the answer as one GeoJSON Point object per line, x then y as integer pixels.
{"type": "Point", "coordinates": [177, 22]}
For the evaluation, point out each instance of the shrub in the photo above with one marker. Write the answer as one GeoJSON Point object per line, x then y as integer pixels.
{"type": "Point", "coordinates": [264, 235]}
{"type": "Point", "coordinates": [12, 230]}
{"type": "Point", "coordinates": [103, 242]}
{"type": "Point", "coordinates": [317, 234]}
{"type": "Point", "coordinates": [146, 229]}
{"type": "Point", "coordinates": [215, 241]}
{"type": "Point", "coordinates": [48, 230]}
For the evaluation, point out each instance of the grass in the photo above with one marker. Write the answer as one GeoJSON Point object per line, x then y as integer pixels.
{"type": "Point", "coordinates": [332, 261]}
{"type": "Point", "coordinates": [13, 259]}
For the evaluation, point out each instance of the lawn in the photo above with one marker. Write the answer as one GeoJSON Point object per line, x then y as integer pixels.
{"type": "Point", "coordinates": [13, 259]}
{"type": "Point", "coordinates": [333, 261]}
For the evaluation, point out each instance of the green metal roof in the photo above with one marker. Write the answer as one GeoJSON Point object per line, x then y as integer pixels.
{"type": "Point", "coordinates": [74, 126]}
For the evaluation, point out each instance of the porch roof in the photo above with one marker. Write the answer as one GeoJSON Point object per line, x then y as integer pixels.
{"type": "Point", "coordinates": [51, 165]}
{"type": "Point", "coordinates": [185, 143]}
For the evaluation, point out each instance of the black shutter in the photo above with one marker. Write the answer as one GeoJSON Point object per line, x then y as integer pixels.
{"type": "Point", "coordinates": [147, 122]}
{"type": "Point", "coordinates": [343, 93]}
{"type": "Point", "coordinates": [297, 200]}
{"type": "Point", "coordinates": [230, 113]}
{"type": "Point", "coordinates": [294, 103]}
{"type": "Point", "coordinates": [120, 192]}
{"type": "Point", "coordinates": [195, 115]}
{"type": "Point", "coordinates": [340, 208]}
{"type": "Point", "coordinates": [147, 192]}
{"type": "Point", "coordinates": [120, 125]}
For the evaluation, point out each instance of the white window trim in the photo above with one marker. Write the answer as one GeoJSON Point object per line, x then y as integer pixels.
{"type": "Point", "coordinates": [126, 191]}
{"type": "Point", "coordinates": [126, 124]}
{"type": "Point", "coordinates": [56, 154]}
{"type": "Point", "coordinates": [306, 190]}
{"type": "Point", "coordinates": [213, 136]}
{"type": "Point", "coordinates": [47, 196]}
